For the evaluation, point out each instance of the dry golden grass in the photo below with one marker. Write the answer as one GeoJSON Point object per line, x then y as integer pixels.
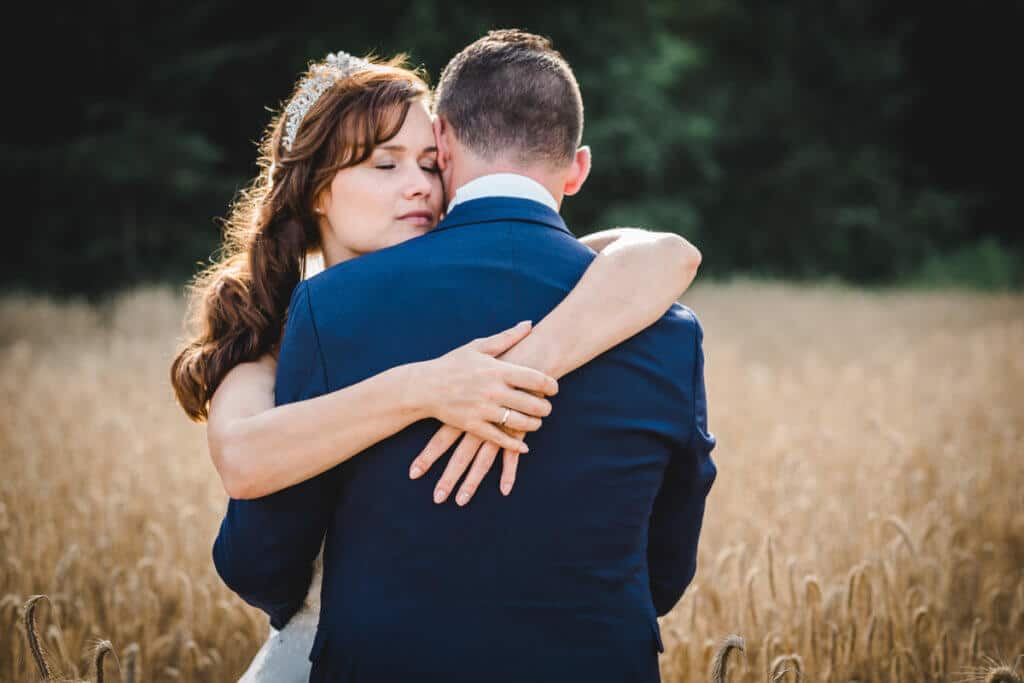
{"type": "Point", "coordinates": [868, 517]}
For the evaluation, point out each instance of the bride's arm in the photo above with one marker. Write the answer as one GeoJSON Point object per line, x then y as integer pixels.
{"type": "Point", "coordinates": [259, 449]}
{"type": "Point", "coordinates": [636, 276]}
{"type": "Point", "coordinates": [253, 444]}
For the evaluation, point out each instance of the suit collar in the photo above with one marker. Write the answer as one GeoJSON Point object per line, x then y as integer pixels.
{"type": "Point", "coordinates": [503, 185]}
{"type": "Point", "coordinates": [498, 209]}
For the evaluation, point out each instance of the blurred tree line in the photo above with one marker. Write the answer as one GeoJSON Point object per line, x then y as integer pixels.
{"type": "Point", "coordinates": [857, 140]}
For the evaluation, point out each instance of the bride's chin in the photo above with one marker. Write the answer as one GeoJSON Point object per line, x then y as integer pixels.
{"type": "Point", "coordinates": [418, 230]}
{"type": "Point", "coordinates": [409, 234]}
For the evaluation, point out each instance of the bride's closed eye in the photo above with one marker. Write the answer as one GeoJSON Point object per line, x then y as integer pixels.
{"type": "Point", "coordinates": [428, 160]}
{"type": "Point", "coordinates": [428, 165]}
{"type": "Point", "coordinates": [428, 168]}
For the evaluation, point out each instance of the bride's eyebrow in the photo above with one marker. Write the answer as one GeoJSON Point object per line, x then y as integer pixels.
{"type": "Point", "coordinates": [402, 148]}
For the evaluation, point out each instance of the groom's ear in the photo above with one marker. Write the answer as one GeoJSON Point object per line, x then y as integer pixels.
{"type": "Point", "coordinates": [579, 171]}
{"type": "Point", "coordinates": [443, 151]}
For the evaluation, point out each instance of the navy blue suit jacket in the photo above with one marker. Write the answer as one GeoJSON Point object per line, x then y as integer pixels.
{"type": "Point", "coordinates": [559, 581]}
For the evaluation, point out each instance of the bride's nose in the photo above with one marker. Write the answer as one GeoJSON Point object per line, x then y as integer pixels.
{"type": "Point", "coordinates": [417, 184]}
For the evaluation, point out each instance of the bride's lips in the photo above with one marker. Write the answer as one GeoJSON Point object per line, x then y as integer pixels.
{"type": "Point", "coordinates": [418, 217]}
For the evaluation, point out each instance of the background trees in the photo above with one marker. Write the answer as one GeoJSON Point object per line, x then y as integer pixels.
{"type": "Point", "coordinates": [855, 140]}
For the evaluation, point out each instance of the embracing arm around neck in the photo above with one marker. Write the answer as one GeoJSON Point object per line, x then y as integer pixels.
{"type": "Point", "coordinates": [636, 276]}
{"type": "Point", "coordinates": [259, 449]}
{"type": "Point", "coordinates": [634, 279]}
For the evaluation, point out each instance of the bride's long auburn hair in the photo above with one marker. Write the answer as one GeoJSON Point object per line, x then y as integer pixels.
{"type": "Point", "coordinates": [237, 305]}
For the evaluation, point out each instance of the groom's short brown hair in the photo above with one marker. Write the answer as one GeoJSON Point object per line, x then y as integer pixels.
{"type": "Point", "coordinates": [511, 94]}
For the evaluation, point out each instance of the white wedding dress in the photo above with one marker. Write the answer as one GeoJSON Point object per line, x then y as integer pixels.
{"type": "Point", "coordinates": [284, 658]}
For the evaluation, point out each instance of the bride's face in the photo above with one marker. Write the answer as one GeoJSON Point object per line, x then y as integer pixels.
{"type": "Point", "coordinates": [391, 197]}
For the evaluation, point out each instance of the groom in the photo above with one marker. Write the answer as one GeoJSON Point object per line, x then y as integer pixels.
{"type": "Point", "coordinates": [563, 579]}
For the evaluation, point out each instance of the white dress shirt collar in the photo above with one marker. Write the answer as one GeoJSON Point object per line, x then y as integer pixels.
{"type": "Point", "coordinates": [504, 185]}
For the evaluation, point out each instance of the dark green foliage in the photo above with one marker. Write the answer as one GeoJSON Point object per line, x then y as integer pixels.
{"type": "Point", "coordinates": [981, 265]}
{"type": "Point", "coordinates": [789, 138]}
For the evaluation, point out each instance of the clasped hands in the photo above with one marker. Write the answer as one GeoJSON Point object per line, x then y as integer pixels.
{"type": "Point", "coordinates": [478, 384]}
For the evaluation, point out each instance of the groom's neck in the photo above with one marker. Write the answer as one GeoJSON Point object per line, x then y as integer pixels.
{"type": "Point", "coordinates": [468, 169]}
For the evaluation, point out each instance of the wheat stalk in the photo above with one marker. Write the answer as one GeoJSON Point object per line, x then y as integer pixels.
{"type": "Point", "coordinates": [720, 665]}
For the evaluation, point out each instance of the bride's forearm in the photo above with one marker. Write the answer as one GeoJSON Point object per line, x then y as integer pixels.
{"type": "Point", "coordinates": [633, 280]}
{"type": "Point", "coordinates": [273, 449]}
{"type": "Point", "coordinates": [601, 240]}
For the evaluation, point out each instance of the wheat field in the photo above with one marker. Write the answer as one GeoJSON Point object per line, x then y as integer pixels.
{"type": "Point", "coordinates": [867, 523]}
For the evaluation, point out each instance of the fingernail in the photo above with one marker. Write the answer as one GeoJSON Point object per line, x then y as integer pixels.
{"type": "Point", "coordinates": [462, 499]}
{"type": "Point", "coordinates": [523, 448]}
{"type": "Point", "coordinates": [415, 472]}
{"type": "Point", "coordinates": [523, 323]}
{"type": "Point", "coordinates": [439, 495]}
{"type": "Point", "coordinates": [505, 488]}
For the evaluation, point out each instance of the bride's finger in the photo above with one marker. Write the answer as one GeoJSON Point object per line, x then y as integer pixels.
{"type": "Point", "coordinates": [509, 463]}
{"type": "Point", "coordinates": [529, 379]}
{"type": "Point", "coordinates": [498, 344]}
{"type": "Point", "coordinates": [481, 466]}
{"type": "Point", "coordinates": [516, 421]}
{"type": "Point", "coordinates": [437, 446]}
{"type": "Point", "coordinates": [524, 402]}
{"type": "Point", "coordinates": [489, 431]}
{"type": "Point", "coordinates": [456, 466]}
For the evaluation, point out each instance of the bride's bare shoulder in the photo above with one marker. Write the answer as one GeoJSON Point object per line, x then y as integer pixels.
{"type": "Point", "coordinates": [246, 389]}
{"type": "Point", "coordinates": [258, 370]}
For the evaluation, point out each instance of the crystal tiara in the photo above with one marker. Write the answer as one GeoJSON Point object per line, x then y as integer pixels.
{"type": "Point", "coordinates": [321, 77]}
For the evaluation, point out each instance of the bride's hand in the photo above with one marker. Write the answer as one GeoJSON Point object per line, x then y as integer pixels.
{"type": "Point", "coordinates": [470, 390]}
{"type": "Point", "coordinates": [471, 449]}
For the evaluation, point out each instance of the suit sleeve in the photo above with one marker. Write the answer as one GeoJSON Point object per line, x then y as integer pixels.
{"type": "Point", "coordinates": [678, 510]}
{"type": "Point", "coordinates": [265, 548]}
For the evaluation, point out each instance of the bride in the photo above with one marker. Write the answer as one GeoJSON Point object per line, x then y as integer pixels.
{"type": "Point", "coordinates": [350, 167]}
